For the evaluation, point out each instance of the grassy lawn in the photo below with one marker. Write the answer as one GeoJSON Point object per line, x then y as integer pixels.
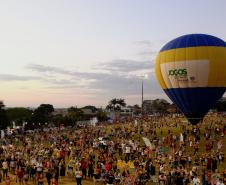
{"type": "Point", "coordinates": [161, 132]}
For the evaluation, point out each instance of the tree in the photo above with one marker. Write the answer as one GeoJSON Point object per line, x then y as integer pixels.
{"type": "Point", "coordinates": [19, 115]}
{"type": "Point", "coordinates": [101, 116]}
{"type": "Point", "coordinates": [160, 105]}
{"type": "Point", "coordinates": [58, 119]}
{"type": "Point", "coordinates": [116, 104]}
{"type": "Point", "coordinates": [4, 121]}
{"type": "Point", "coordinates": [43, 113]}
{"type": "Point", "coordinates": [220, 105]}
{"type": "Point", "coordinates": [75, 114]}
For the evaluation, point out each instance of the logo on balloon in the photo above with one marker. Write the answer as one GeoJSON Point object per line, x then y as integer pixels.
{"type": "Point", "coordinates": [178, 72]}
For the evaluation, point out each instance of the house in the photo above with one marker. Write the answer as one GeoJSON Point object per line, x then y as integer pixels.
{"type": "Point", "coordinates": [172, 109]}
{"type": "Point", "coordinates": [61, 111]}
{"type": "Point", "coordinates": [89, 110]}
{"type": "Point", "coordinates": [126, 111]}
{"type": "Point", "coordinates": [155, 106]}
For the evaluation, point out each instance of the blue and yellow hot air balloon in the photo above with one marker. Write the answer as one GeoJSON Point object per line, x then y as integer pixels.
{"type": "Point", "coordinates": [191, 69]}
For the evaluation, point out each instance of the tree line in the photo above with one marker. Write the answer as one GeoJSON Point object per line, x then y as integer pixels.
{"type": "Point", "coordinates": [45, 114]}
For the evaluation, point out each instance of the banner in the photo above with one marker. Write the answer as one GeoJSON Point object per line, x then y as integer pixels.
{"type": "Point", "coordinates": [148, 143]}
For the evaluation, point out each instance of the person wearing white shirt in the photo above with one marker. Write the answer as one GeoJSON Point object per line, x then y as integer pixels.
{"type": "Point", "coordinates": [196, 181]}
{"type": "Point", "coordinates": [127, 150]}
{"type": "Point", "coordinates": [78, 176]}
{"type": "Point", "coordinates": [123, 147]}
{"type": "Point", "coordinates": [5, 169]}
{"type": "Point", "coordinates": [39, 167]}
{"type": "Point", "coordinates": [220, 182]}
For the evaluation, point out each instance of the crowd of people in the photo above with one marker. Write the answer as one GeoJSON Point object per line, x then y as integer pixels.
{"type": "Point", "coordinates": [177, 154]}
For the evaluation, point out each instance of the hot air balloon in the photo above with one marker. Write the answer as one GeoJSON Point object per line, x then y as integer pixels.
{"type": "Point", "coordinates": [191, 69]}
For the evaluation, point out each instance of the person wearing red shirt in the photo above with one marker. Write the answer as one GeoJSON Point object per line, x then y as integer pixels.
{"type": "Point", "coordinates": [19, 175]}
{"type": "Point", "coordinates": [84, 167]}
{"type": "Point", "coordinates": [107, 167]}
{"type": "Point", "coordinates": [54, 182]}
{"type": "Point", "coordinates": [40, 179]}
{"type": "Point", "coordinates": [8, 180]}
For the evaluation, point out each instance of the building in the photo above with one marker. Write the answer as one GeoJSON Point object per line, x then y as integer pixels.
{"type": "Point", "coordinates": [89, 110]}
{"type": "Point", "coordinates": [61, 111]}
{"type": "Point", "coordinates": [155, 106]}
{"type": "Point", "coordinates": [172, 109]}
{"type": "Point", "coordinates": [136, 109]}
{"type": "Point", "coordinates": [117, 115]}
{"type": "Point", "coordinates": [126, 111]}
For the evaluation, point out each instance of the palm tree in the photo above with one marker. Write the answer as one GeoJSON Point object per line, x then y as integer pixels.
{"type": "Point", "coordinates": [116, 104]}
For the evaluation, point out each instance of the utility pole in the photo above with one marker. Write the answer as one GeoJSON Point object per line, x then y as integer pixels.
{"type": "Point", "coordinates": [142, 101]}
{"type": "Point", "coordinates": [142, 97]}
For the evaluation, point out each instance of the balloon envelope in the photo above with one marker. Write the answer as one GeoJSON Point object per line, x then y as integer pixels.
{"type": "Point", "coordinates": [191, 69]}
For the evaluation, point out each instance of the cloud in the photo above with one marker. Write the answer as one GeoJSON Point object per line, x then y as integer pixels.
{"type": "Point", "coordinates": [143, 43]}
{"type": "Point", "coordinates": [117, 65]}
{"type": "Point", "coordinates": [121, 65]}
{"type": "Point", "coordinates": [10, 77]}
{"type": "Point", "coordinates": [115, 69]}
{"type": "Point", "coordinates": [148, 53]}
{"type": "Point", "coordinates": [54, 71]}
{"type": "Point", "coordinates": [43, 69]}
{"type": "Point", "coordinates": [121, 85]}
{"type": "Point", "coordinates": [147, 49]}
{"type": "Point", "coordinates": [114, 79]}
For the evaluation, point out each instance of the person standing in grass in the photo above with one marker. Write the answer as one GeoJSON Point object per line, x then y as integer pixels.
{"type": "Point", "coordinates": [196, 147]}
{"type": "Point", "coordinates": [90, 168]}
{"type": "Point", "coordinates": [8, 181]}
{"type": "Point", "coordinates": [110, 178]}
{"type": "Point", "coordinates": [127, 153]}
{"type": "Point", "coordinates": [84, 167]}
{"type": "Point", "coordinates": [70, 168]}
{"type": "Point", "coordinates": [19, 175]}
{"type": "Point", "coordinates": [54, 182]}
{"type": "Point", "coordinates": [220, 182]}
{"type": "Point", "coordinates": [97, 173]}
{"type": "Point", "coordinates": [78, 176]}
{"type": "Point", "coordinates": [48, 176]}
{"type": "Point", "coordinates": [5, 168]}
{"type": "Point", "coordinates": [40, 179]}
{"type": "Point", "coordinates": [196, 181]}
{"type": "Point", "coordinates": [118, 177]}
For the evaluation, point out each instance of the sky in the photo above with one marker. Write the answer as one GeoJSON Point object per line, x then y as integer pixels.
{"type": "Point", "coordinates": [86, 52]}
